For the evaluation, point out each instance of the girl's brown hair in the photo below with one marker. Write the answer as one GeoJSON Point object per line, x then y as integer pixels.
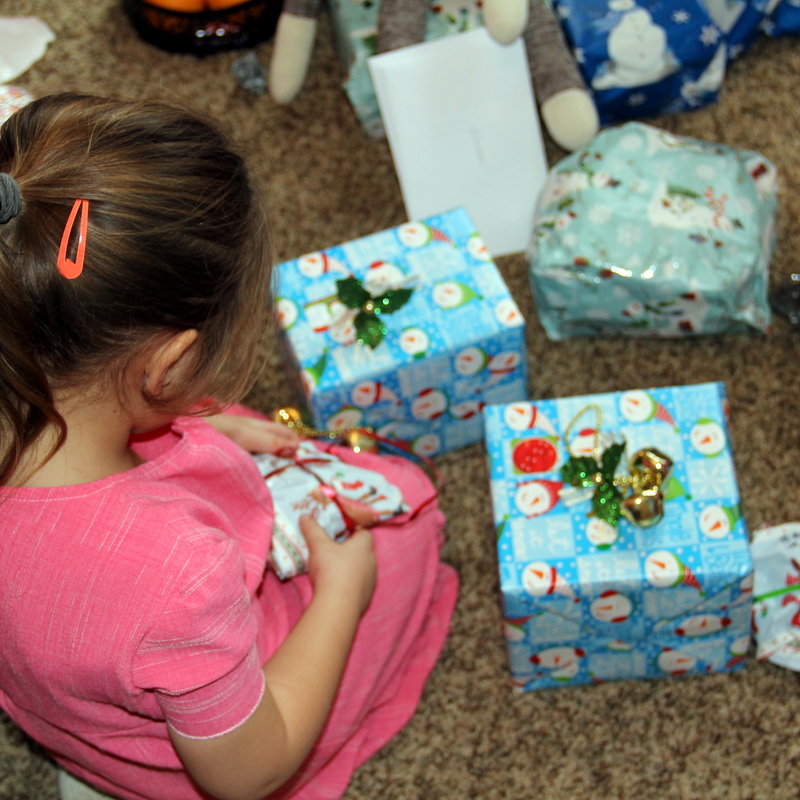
{"type": "Point", "coordinates": [177, 239]}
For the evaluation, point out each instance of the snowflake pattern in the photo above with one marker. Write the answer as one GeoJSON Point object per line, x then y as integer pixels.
{"type": "Point", "coordinates": [734, 51]}
{"type": "Point", "coordinates": [629, 235]}
{"type": "Point", "coordinates": [681, 17]}
{"type": "Point", "coordinates": [709, 36]}
{"type": "Point", "coordinates": [580, 55]}
{"type": "Point", "coordinates": [637, 99]}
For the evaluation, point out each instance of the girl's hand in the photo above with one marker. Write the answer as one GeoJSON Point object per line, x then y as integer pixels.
{"type": "Point", "coordinates": [256, 435]}
{"type": "Point", "coordinates": [345, 568]}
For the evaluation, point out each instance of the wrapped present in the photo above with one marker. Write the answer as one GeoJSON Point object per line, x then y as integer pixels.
{"type": "Point", "coordinates": [776, 594]}
{"type": "Point", "coordinates": [651, 234]}
{"type": "Point", "coordinates": [619, 562]}
{"type": "Point", "coordinates": [338, 495]}
{"type": "Point", "coordinates": [355, 29]}
{"type": "Point", "coordinates": [645, 58]}
{"type": "Point", "coordinates": [449, 340]}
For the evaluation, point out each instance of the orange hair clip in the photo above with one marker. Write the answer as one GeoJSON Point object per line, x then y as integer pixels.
{"type": "Point", "coordinates": [66, 266]}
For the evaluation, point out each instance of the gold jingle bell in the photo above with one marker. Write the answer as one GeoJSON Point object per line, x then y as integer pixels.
{"type": "Point", "coordinates": [290, 417]}
{"type": "Point", "coordinates": [645, 510]}
{"type": "Point", "coordinates": [360, 441]}
{"type": "Point", "coordinates": [649, 469]}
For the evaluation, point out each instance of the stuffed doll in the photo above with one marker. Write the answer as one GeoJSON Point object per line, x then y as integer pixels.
{"type": "Point", "coordinates": [566, 106]}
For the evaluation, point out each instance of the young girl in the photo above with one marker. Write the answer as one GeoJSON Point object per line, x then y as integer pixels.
{"type": "Point", "coordinates": [142, 641]}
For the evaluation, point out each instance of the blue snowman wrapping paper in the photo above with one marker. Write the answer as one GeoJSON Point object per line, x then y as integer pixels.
{"type": "Point", "coordinates": [783, 19]}
{"type": "Point", "coordinates": [355, 28]}
{"type": "Point", "coordinates": [647, 57]}
{"type": "Point", "coordinates": [455, 346]}
{"type": "Point", "coordinates": [644, 233]}
{"type": "Point", "coordinates": [587, 602]}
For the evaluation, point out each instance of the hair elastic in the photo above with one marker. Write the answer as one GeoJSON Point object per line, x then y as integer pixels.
{"type": "Point", "coordinates": [10, 198]}
{"type": "Point", "coordinates": [66, 266]}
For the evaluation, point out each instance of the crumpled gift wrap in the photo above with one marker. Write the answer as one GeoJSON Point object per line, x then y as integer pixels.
{"type": "Point", "coordinates": [318, 483]}
{"type": "Point", "coordinates": [644, 233]}
{"type": "Point", "coordinates": [776, 594]}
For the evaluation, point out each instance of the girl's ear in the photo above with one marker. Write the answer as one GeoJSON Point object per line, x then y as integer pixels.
{"type": "Point", "coordinates": [167, 363]}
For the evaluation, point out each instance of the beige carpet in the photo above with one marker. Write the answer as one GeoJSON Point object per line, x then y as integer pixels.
{"type": "Point", "coordinates": [731, 736]}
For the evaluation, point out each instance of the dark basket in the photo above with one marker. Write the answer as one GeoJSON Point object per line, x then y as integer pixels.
{"type": "Point", "coordinates": [204, 32]}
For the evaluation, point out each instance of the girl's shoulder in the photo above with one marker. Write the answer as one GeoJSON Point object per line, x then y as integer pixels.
{"type": "Point", "coordinates": [191, 476]}
{"type": "Point", "coordinates": [197, 499]}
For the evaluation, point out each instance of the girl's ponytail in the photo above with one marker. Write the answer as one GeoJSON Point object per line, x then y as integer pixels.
{"type": "Point", "coordinates": [26, 402]}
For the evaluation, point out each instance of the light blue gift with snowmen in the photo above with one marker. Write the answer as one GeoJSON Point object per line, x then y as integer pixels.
{"type": "Point", "coordinates": [584, 601]}
{"type": "Point", "coordinates": [455, 345]}
{"type": "Point", "coordinates": [645, 233]}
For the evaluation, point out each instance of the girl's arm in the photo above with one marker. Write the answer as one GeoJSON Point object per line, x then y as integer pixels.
{"type": "Point", "coordinates": [301, 678]}
{"type": "Point", "coordinates": [256, 434]}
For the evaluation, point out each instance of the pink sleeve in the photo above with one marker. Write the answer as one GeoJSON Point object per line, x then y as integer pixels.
{"type": "Point", "coordinates": [200, 657]}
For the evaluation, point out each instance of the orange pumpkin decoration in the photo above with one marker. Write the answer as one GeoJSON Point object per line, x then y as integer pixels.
{"type": "Point", "coordinates": [186, 6]}
{"type": "Point", "coordinates": [216, 5]}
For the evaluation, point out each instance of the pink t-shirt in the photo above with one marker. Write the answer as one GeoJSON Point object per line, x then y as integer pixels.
{"type": "Point", "coordinates": [143, 600]}
{"type": "Point", "coordinates": [129, 602]}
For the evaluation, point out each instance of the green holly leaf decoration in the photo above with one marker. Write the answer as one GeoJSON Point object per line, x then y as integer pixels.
{"type": "Point", "coordinates": [582, 471]}
{"type": "Point", "coordinates": [369, 329]}
{"type": "Point", "coordinates": [352, 293]}
{"type": "Point", "coordinates": [579, 471]}
{"type": "Point", "coordinates": [610, 460]}
{"type": "Point", "coordinates": [607, 503]}
{"type": "Point", "coordinates": [390, 301]}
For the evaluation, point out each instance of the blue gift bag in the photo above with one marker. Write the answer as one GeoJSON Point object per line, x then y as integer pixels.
{"type": "Point", "coordinates": [645, 58]}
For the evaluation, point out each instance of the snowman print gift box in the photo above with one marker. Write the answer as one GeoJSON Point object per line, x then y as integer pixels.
{"type": "Point", "coordinates": [664, 589]}
{"type": "Point", "coordinates": [644, 233]}
{"type": "Point", "coordinates": [410, 331]}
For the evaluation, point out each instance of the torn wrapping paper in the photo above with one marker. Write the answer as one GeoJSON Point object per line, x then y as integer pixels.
{"type": "Point", "coordinates": [23, 41]}
{"type": "Point", "coordinates": [776, 594]}
{"type": "Point", "coordinates": [339, 496]}
{"type": "Point", "coordinates": [585, 601]}
{"type": "Point", "coordinates": [12, 99]}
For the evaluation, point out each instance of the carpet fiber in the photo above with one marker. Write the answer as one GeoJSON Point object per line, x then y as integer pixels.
{"type": "Point", "coordinates": [728, 736]}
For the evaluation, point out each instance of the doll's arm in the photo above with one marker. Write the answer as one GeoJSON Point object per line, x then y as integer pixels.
{"type": "Point", "coordinates": [401, 23]}
{"type": "Point", "coordinates": [301, 679]}
{"type": "Point", "coordinates": [291, 54]}
{"type": "Point", "coordinates": [505, 20]}
{"type": "Point", "coordinates": [567, 108]}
